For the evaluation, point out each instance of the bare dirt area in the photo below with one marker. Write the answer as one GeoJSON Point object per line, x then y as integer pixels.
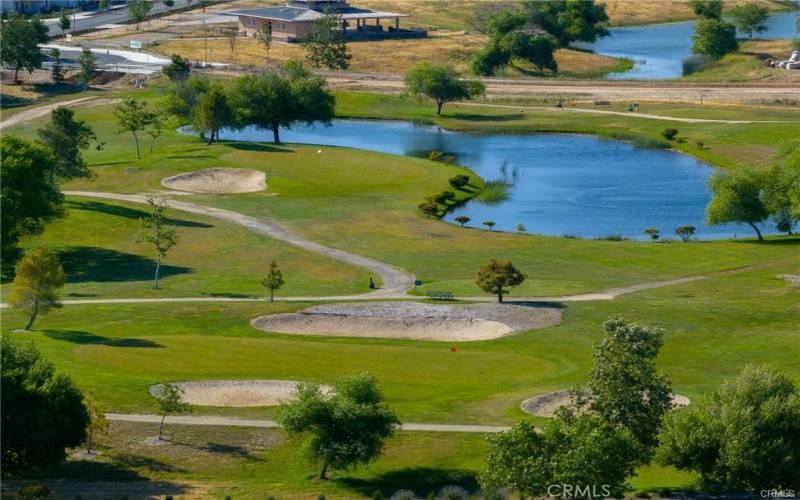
{"type": "Point", "coordinates": [546, 405]}
{"type": "Point", "coordinates": [410, 320]}
{"type": "Point", "coordinates": [218, 180]}
{"type": "Point", "coordinates": [235, 393]}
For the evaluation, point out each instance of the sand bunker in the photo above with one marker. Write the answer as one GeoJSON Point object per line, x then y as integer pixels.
{"type": "Point", "coordinates": [218, 180]}
{"type": "Point", "coordinates": [412, 320]}
{"type": "Point", "coordinates": [545, 405]}
{"type": "Point", "coordinates": [235, 392]}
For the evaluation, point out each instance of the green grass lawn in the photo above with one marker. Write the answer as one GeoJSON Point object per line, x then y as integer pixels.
{"type": "Point", "coordinates": [366, 203]}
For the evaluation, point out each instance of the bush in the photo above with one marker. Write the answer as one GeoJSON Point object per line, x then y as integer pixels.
{"type": "Point", "coordinates": [453, 493]}
{"type": "Point", "coordinates": [685, 232]}
{"type": "Point", "coordinates": [612, 237]}
{"type": "Point", "coordinates": [33, 491]}
{"type": "Point", "coordinates": [459, 181]}
{"type": "Point", "coordinates": [404, 495]}
{"type": "Point", "coordinates": [697, 63]}
{"type": "Point", "coordinates": [494, 192]}
{"type": "Point", "coordinates": [429, 208]}
{"type": "Point", "coordinates": [670, 133]}
{"type": "Point", "coordinates": [443, 197]}
{"type": "Point", "coordinates": [647, 142]}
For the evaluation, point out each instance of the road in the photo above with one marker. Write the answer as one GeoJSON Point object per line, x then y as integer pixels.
{"type": "Point", "coordinates": [271, 424]}
{"type": "Point", "coordinates": [116, 14]}
{"type": "Point", "coordinates": [126, 61]}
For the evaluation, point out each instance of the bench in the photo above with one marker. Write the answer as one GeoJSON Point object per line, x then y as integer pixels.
{"type": "Point", "coordinates": [439, 295]}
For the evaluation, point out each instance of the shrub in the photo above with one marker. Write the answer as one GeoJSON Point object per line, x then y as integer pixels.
{"type": "Point", "coordinates": [404, 495]}
{"type": "Point", "coordinates": [429, 208]}
{"type": "Point", "coordinates": [459, 181]}
{"type": "Point", "coordinates": [462, 219]}
{"type": "Point", "coordinates": [696, 63]}
{"type": "Point", "coordinates": [377, 495]}
{"type": "Point", "coordinates": [490, 224]}
{"type": "Point", "coordinates": [453, 493]}
{"type": "Point", "coordinates": [700, 144]}
{"type": "Point", "coordinates": [443, 197]}
{"type": "Point", "coordinates": [670, 133]}
{"type": "Point", "coordinates": [612, 237]}
{"type": "Point", "coordinates": [33, 491]}
{"type": "Point", "coordinates": [648, 142]}
{"type": "Point", "coordinates": [653, 232]}
{"type": "Point", "coordinates": [494, 192]}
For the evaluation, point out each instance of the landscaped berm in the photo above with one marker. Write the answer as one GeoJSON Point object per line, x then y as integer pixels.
{"type": "Point", "coordinates": [413, 320]}
{"type": "Point", "coordinates": [218, 180]}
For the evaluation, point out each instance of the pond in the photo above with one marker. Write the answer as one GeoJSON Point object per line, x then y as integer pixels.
{"type": "Point", "coordinates": [658, 50]}
{"type": "Point", "coordinates": [573, 185]}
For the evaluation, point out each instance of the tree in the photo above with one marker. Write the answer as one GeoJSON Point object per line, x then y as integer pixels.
{"type": "Point", "coordinates": [38, 275]}
{"type": "Point", "coordinates": [102, 4]}
{"type": "Point", "coordinates": [781, 194]}
{"type": "Point", "coordinates": [273, 281]}
{"type": "Point", "coordinates": [572, 450]}
{"type": "Point", "coordinates": [67, 137]}
{"type": "Point", "coordinates": [538, 50]}
{"type": "Point", "coordinates": [325, 45]}
{"type": "Point", "coordinates": [568, 20]}
{"type": "Point", "coordinates": [274, 100]}
{"type": "Point", "coordinates": [714, 38]}
{"type": "Point", "coordinates": [20, 39]}
{"type": "Point", "coordinates": [158, 233]}
{"type": "Point", "coordinates": [653, 232]}
{"type": "Point", "coordinates": [98, 425]}
{"type": "Point", "coordinates": [459, 181]}
{"type": "Point", "coordinates": [213, 113]}
{"type": "Point", "coordinates": [746, 436]}
{"type": "Point", "coordinates": [750, 18]}
{"type": "Point", "coordinates": [490, 224]}
{"type": "Point", "coordinates": [170, 402]}
{"type": "Point", "coordinates": [462, 219]}
{"type": "Point", "coordinates": [709, 9]}
{"type": "Point", "coordinates": [669, 133]}
{"type": "Point", "coordinates": [177, 70]}
{"type": "Point", "coordinates": [737, 198]}
{"type": "Point", "coordinates": [232, 36]}
{"type": "Point", "coordinates": [57, 72]}
{"type": "Point", "coordinates": [88, 66]}
{"type": "Point", "coordinates": [168, 3]}
{"type": "Point", "coordinates": [624, 387]}
{"type": "Point", "coordinates": [429, 208]}
{"type": "Point", "coordinates": [264, 38]}
{"type": "Point", "coordinates": [28, 200]}
{"type": "Point", "coordinates": [155, 128]}
{"type": "Point", "coordinates": [63, 20]}
{"type": "Point", "coordinates": [440, 83]}
{"type": "Point", "coordinates": [182, 98]}
{"type": "Point", "coordinates": [685, 232]}
{"type": "Point", "coordinates": [498, 276]}
{"type": "Point", "coordinates": [138, 10]}
{"type": "Point", "coordinates": [133, 116]}
{"type": "Point", "coordinates": [43, 411]}
{"type": "Point", "coordinates": [520, 228]}
{"type": "Point", "coordinates": [345, 427]}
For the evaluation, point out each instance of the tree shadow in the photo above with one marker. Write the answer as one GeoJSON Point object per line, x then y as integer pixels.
{"type": "Point", "coordinates": [231, 295]}
{"type": "Point", "coordinates": [88, 338]}
{"type": "Point", "coordinates": [126, 212]}
{"type": "Point", "coordinates": [132, 461]}
{"type": "Point", "coordinates": [421, 480]}
{"type": "Point", "coordinates": [257, 146]}
{"type": "Point", "coordinates": [486, 118]}
{"type": "Point", "coordinates": [538, 304]}
{"type": "Point", "coordinates": [94, 264]}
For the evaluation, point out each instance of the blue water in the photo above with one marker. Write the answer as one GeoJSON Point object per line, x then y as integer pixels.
{"type": "Point", "coordinates": [658, 50]}
{"type": "Point", "coordinates": [564, 184]}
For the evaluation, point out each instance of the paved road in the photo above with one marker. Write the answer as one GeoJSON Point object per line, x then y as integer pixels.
{"type": "Point", "coordinates": [271, 424]}
{"type": "Point", "coordinates": [117, 14]}
{"type": "Point", "coordinates": [395, 280]}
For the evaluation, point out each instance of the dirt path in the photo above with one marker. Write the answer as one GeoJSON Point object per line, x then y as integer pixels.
{"type": "Point", "coordinates": [595, 89]}
{"type": "Point", "coordinates": [271, 424]}
{"type": "Point", "coordinates": [395, 280]}
{"type": "Point", "coordinates": [646, 116]}
{"type": "Point", "coordinates": [39, 111]}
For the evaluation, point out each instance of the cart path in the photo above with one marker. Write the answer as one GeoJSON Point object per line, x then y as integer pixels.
{"type": "Point", "coordinates": [394, 280]}
{"type": "Point", "coordinates": [647, 116]}
{"type": "Point", "coordinates": [271, 424]}
{"type": "Point", "coordinates": [39, 111]}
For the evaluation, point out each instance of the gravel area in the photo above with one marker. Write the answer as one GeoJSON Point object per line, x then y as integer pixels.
{"type": "Point", "coordinates": [218, 180]}
{"type": "Point", "coordinates": [545, 405]}
{"type": "Point", "coordinates": [412, 320]}
{"type": "Point", "coordinates": [236, 393]}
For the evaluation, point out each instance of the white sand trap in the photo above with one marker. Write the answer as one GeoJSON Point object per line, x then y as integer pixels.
{"type": "Point", "coordinates": [412, 320]}
{"type": "Point", "coordinates": [218, 180]}
{"type": "Point", "coordinates": [235, 392]}
{"type": "Point", "coordinates": [545, 405]}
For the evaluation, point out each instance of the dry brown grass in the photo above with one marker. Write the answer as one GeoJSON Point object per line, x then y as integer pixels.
{"type": "Point", "coordinates": [623, 12]}
{"type": "Point", "coordinates": [385, 56]}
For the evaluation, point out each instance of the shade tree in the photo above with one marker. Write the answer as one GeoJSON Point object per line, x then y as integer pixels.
{"type": "Point", "coordinates": [43, 411]}
{"type": "Point", "coordinates": [19, 43]}
{"type": "Point", "coordinates": [37, 277]}
{"type": "Point", "coordinates": [714, 38]}
{"type": "Point", "coordinates": [178, 69]}
{"type": "Point", "coordinates": [325, 45]}
{"type": "Point", "coordinates": [344, 427]}
{"type": "Point", "coordinates": [498, 277]}
{"type": "Point", "coordinates": [67, 137]}
{"type": "Point", "coordinates": [737, 197]}
{"type": "Point", "coordinates": [87, 63]}
{"type": "Point", "coordinates": [750, 18]}
{"type": "Point", "coordinates": [508, 40]}
{"type": "Point", "coordinates": [133, 116]}
{"type": "Point", "coordinates": [685, 232]}
{"type": "Point", "coordinates": [441, 84]}
{"type": "Point", "coordinates": [568, 21]}
{"type": "Point", "coordinates": [212, 112]}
